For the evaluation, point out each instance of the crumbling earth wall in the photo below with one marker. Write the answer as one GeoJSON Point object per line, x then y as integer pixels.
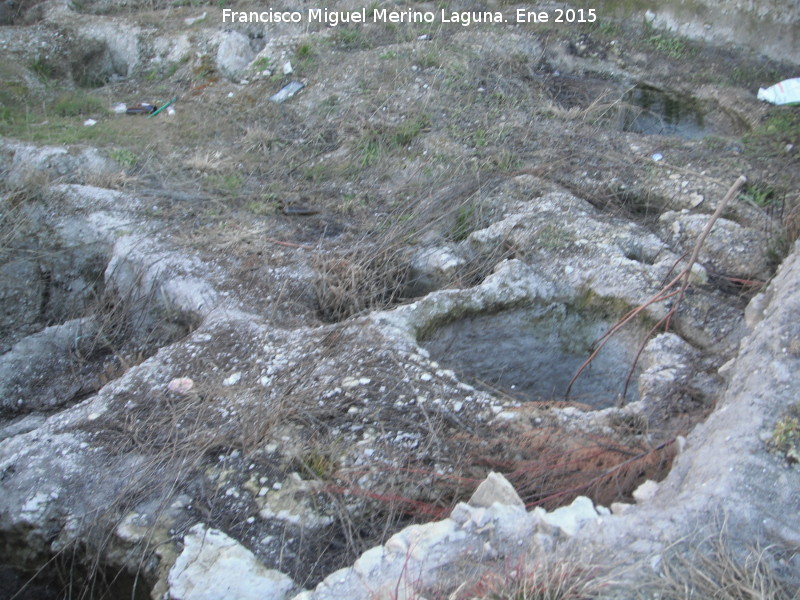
{"type": "Point", "coordinates": [768, 27]}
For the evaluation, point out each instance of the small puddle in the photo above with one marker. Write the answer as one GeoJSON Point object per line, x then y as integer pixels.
{"type": "Point", "coordinates": [533, 353]}
{"type": "Point", "coordinates": [651, 111]}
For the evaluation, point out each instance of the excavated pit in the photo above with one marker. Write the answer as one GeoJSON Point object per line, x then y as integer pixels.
{"type": "Point", "coordinates": [658, 112]}
{"type": "Point", "coordinates": [103, 583]}
{"type": "Point", "coordinates": [532, 353]}
{"type": "Point", "coordinates": [69, 322]}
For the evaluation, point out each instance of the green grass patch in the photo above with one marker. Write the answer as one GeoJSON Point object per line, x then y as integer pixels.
{"type": "Point", "coordinates": [505, 161]}
{"type": "Point", "coordinates": [351, 38]}
{"type": "Point", "coordinates": [305, 58]}
{"type": "Point", "coordinates": [228, 183]}
{"type": "Point", "coordinates": [77, 105]}
{"type": "Point", "coordinates": [261, 64]}
{"type": "Point", "coordinates": [771, 136]}
{"type": "Point", "coordinates": [609, 29]}
{"type": "Point", "coordinates": [264, 206]}
{"type": "Point", "coordinates": [379, 141]}
{"type": "Point", "coordinates": [410, 129]}
{"type": "Point", "coordinates": [43, 69]}
{"type": "Point", "coordinates": [124, 157]}
{"type": "Point", "coordinates": [466, 221]}
{"type": "Point", "coordinates": [429, 59]}
{"type": "Point", "coordinates": [760, 194]}
{"type": "Point", "coordinates": [667, 43]}
{"type": "Point", "coordinates": [785, 438]}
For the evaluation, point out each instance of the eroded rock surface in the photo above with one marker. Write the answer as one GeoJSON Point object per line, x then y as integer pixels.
{"type": "Point", "coordinates": [305, 333]}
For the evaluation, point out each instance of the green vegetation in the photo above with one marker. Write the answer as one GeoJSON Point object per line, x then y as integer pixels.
{"type": "Point", "coordinates": [43, 69]}
{"type": "Point", "coordinates": [785, 438]}
{"type": "Point", "coordinates": [466, 222]}
{"type": "Point", "coordinates": [78, 104]}
{"type": "Point", "coordinates": [505, 161]}
{"type": "Point", "coordinates": [771, 136]}
{"type": "Point", "coordinates": [408, 130]}
{"type": "Point", "coordinates": [429, 59]}
{"type": "Point", "coordinates": [351, 38]}
{"type": "Point", "coordinates": [228, 183]}
{"type": "Point", "coordinates": [760, 194]}
{"type": "Point", "coordinates": [609, 29]}
{"type": "Point", "coordinates": [124, 157]}
{"type": "Point", "coordinates": [667, 43]}
{"type": "Point", "coordinates": [379, 141]}
{"type": "Point", "coordinates": [305, 58]}
{"type": "Point", "coordinates": [262, 63]}
{"type": "Point", "coordinates": [267, 204]}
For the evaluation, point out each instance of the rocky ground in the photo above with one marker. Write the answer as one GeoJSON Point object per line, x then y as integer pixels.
{"type": "Point", "coordinates": [259, 335]}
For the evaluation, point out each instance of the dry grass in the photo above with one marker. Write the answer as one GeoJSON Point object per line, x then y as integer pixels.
{"type": "Point", "coordinates": [713, 569]}
{"type": "Point", "coordinates": [545, 579]}
{"type": "Point", "coordinates": [14, 223]}
{"type": "Point", "coordinates": [207, 162]}
{"type": "Point", "coordinates": [359, 279]}
{"type": "Point", "coordinates": [119, 180]}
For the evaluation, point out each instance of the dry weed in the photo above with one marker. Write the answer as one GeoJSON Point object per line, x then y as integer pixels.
{"type": "Point", "coordinates": [360, 279]}
{"type": "Point", "coordinates": [541, 580]}
{"type": "Point", "coordinates": [207, 162]}
{"type": "Point", "coordinates": [259, 139]}
{"type": "Point", "coordinates": [118, 180]}
{"type": "Point", "coordinates": [712, 569]}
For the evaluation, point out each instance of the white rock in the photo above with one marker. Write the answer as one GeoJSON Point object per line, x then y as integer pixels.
{"type": "Point", "coordinates": [213, 566]}
{"type": "Point", "coordinates": [180, 385]}
{"type": "Point", "coordinates": [495, 488]}
{"type": "Point", "coordinates": [193, 20]}
{"type": "Point", "coordinates": [646, 491]}
{"type": "Point", "coordinates": [369, 562]}
{"type": "Point", "coordinates": [570, 518]}
{"type": "Point", "coordinates": [234, 54]}
{"type": "Point", "coordinates": [233, 379]}
{"type": "Point", "coordinates": [620, 508]}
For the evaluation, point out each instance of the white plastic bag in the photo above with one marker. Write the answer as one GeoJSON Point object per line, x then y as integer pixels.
{"type": "Point", "coordinates": [785, 92]}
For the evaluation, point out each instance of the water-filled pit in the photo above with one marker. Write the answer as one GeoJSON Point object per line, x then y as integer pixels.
{"type": "Point", "coordinates": [657, 112]}
{"type": "Point", "coordinates": [532, 353]}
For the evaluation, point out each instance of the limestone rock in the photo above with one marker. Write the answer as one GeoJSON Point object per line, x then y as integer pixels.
{"type": "Point", "coordinates": [570, 518]}
{"type": "Point", "coordinates": [646, 491]}
{"type": "Point", "coordinates": [495, 488]}
{"type": "Point", "coordinates": [213, 565]}
{"type": "Point", "coordinates": [431, 269]}
{"type": "Point", "coordinates": [730, 248]}
{"type": "Point", "coordinates": [31, 165]}
{"type": "Point", "coordinates": [234, 54]}
{"type": "Point", "coordinates": [119, 41]}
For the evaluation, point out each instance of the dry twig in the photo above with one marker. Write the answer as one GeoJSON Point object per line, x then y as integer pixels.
{"type": "Point", "coordinates": [676, 287]}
